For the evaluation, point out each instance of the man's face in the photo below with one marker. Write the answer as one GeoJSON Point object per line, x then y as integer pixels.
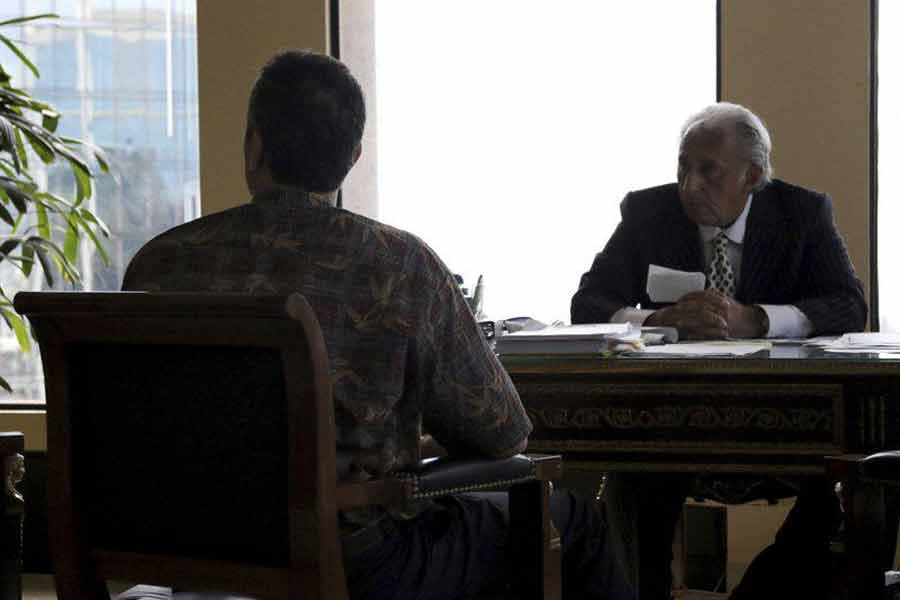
{"type": "Point", "coordinates": [713, 180]}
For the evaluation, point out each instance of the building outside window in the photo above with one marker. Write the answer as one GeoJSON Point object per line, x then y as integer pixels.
{"type": "Point", "coordinates": [123, 73]}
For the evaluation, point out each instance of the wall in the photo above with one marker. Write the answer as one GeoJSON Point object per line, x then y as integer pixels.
{"type": "Point", "coordinates": [233, 42]}
{"type": "Point", "coordinates": [803, 66]}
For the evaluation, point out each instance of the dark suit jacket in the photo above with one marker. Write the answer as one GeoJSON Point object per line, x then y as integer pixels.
{"type": "Point", "coordinates": [793, 254]}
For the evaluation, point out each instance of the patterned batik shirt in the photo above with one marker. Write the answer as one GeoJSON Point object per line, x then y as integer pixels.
{"type": "Point", "coordinates": [405, 352]}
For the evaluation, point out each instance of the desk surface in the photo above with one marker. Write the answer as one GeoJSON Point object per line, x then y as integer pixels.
{"type": "Point", "coordinates": [786, 358]}
{"type": "Point", "coordinates": [776, 411]}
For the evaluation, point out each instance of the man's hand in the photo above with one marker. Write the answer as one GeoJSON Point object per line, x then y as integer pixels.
{"type": "Point", "coordinates": [711, 315]}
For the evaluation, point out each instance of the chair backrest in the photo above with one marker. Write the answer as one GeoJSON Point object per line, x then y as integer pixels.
{"type": "Point", "coordinates": [191, 443]}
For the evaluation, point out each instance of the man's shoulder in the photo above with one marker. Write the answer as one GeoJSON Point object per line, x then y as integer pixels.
{"type": "Point", "coordinates": [651, 204]}
{"type": "Point", "coordinates": [794, 201]}
{"type": "Point", "coordinates": [793, 192]}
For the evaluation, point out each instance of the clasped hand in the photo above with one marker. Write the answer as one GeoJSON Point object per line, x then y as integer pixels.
{"type": "Point", "coordinates": [711, 314]}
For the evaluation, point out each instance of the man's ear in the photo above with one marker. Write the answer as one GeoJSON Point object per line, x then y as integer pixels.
{"type": "Point", "coordinates": [254, 157]}
{"type": "Point", "coordinates": [752, 177]}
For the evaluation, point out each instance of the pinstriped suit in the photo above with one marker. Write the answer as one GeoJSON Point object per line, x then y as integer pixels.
{"type": "Point", "coordinates": [793, 254]}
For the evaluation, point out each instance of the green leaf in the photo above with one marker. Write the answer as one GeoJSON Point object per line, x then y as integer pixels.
{"type": "Point", "coordinates": [97, 151]}
{"type": "Point", "coordinates": [45, 264]}
{"type": "Point", "coordinates": [82, 181]}
{"type": "Point", "coordinates": [97, 244]}
{"type": "Point", "coordinates": [28, 262]}
{"type": "Point", "coordinates": [16, 323]}
{"type": "Point", "coordinates": [21, 154]}
{"type": "Point", "coordinates": [6, 216]}
{"type": "Point", "coordinates": [49, 120]}
{"type": "Point", "coordinates": [70, 246]}
{"type": "Point", "coordinates": [31, 18]}
{"type": "Point", "coordinates": [7, 247]}
{"type": "Point", "coordinates": [15, 50]}
{"type": "Point", "coordinates": [89, 216]}
{"type": "Point", "coordinates": [7, 136]}
{"type": "Point", "coordinates": [41, 247]}
{"type": "Point", "coordinates": [5, 385]}
{"type": "Point", "coordinates": [43, 222]}
{"type": "Point", "coordinates": [41, 147]}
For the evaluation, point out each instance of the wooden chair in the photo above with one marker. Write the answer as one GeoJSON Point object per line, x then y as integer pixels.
{"type": "Point", "coordinates": [191, 444]}
{"type": "Point", "coordinates": [870, 494]}
{"type": "Point", "coordinates": [12, 447]}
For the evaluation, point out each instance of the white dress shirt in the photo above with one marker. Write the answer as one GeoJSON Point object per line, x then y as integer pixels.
{"type": "Point", "coordinates": [785, 320]}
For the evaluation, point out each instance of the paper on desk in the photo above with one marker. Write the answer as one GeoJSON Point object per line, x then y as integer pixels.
{"type": "Point", "coordinates": [865, 342]}
{"type": "Point", "coordinates": [709, 348]}
{"type": "Point", "coordinates": [668, 285]}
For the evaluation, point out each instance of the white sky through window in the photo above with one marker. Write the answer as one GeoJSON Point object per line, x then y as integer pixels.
{"type": "Point", "coordinates": [510, 130]}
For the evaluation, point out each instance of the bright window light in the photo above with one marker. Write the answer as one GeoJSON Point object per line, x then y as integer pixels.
{"type": "Point", "coordinates": [510, 130]}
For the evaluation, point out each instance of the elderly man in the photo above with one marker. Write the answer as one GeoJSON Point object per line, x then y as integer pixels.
{"type": "Point", "coordinates": [776, 266]}
{"type": "Point", "coordinates": [405, 351]}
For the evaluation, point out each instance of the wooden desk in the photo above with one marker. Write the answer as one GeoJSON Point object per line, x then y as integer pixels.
{"type": "Point", "coordinates": [12, 446]}
{"type": "Point", "coordinates": [777, 412]}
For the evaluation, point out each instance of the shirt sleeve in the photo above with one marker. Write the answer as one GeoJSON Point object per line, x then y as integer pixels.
{"type": "Point", "coordinates": [470, 405]}
{"type": "Point", "coordinates": [786, 321]}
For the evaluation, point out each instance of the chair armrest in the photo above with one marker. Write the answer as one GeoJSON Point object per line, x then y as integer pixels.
{"type": "Point", "coordinates": [384, 492]}
{"type": "Point", "coordinates": [436, 477]}
{"type": "Point", "coordinates": [883, 466]}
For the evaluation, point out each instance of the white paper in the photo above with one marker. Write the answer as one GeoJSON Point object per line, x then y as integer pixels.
{"type": "Point", "coordinates": [579, 332]}
{"type": "Point", "coordinates": [709, 348]}
{"type": "Point", "coordinates": [668, 285]}
{"type": "Point", "coordinates": [865, 342]}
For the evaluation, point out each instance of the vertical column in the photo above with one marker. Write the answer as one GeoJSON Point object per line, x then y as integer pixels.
{"type": "Point", "coordinates": [803, 66]}
{"type": "Point", "coordinates": [360, 190]}
{"type": "Point", "coordinates": [234, 40]}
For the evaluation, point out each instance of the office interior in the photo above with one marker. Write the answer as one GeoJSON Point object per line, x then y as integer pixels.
{"type": "Point", "coordinates": [773, 56]}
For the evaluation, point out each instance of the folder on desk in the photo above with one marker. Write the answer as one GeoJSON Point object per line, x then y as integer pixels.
{"type": "Point", "coordinates": [570, 339]}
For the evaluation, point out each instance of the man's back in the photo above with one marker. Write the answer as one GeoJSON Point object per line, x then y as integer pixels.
{"type": "Point", "coordinates": [404, 353]}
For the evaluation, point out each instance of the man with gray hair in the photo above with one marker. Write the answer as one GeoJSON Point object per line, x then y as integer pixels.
{"type": "Point", "coordinates": [775, 266]}
{"type": "Point", "coordinates": [775, 263]}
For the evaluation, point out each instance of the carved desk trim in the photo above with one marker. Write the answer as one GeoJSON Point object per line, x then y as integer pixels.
{"type": "Point", "coordinates": [719, 414]}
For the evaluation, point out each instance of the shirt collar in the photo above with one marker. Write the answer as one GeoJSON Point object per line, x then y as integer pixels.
{"type": "Point", "coordinates": [290, 196]}
{"type": "Point", "coordinates": [735, 232]}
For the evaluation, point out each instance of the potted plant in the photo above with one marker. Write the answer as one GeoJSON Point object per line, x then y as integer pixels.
{"type": "Point", "coordinates": [38, 227]}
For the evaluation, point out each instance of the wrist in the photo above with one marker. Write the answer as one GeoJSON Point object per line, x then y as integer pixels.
{"type": "Point", "coordinates": [652, 318]}
{"type": "Point", "coordinates": [761, 320]}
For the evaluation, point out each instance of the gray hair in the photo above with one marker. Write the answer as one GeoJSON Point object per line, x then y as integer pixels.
{"type": "Point", "coordinates": [750, 130]}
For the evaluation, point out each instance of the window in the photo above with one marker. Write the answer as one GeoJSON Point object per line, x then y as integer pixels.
{"type": "Point", "coordinates": [509, 131]}
{"type": "Point", "coordinates": [888, 155]}
{"type": "Point", "coordinates": [124, 75]}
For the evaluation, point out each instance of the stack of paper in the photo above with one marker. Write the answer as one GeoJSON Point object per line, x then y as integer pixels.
{"type": "Point", "coordinates": [710, 348]}
{"type": "Point", "coordinates": [864, 343]}
{"type": "Point", "coordinates": [571, 339]}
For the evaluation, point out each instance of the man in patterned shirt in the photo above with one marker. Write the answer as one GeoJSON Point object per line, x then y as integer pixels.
{"type": "Point", "coordinates": [406, 355]}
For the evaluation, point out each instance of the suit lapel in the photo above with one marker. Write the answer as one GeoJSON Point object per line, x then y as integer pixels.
{"type": "Point", "coordinates": [765, 240]}
{"type": "Point", "coordinates": [682, 244]}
